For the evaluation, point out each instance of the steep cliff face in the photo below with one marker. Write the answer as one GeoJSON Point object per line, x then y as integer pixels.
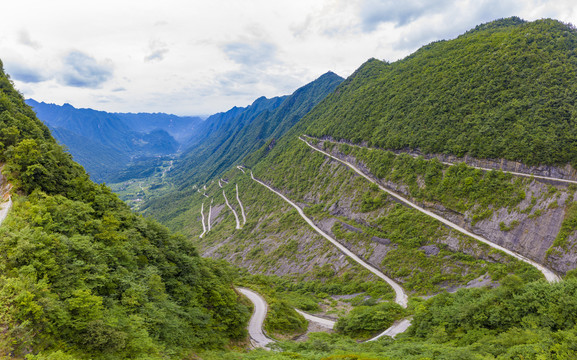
{"type": "Point", "coordinates": [566, 172]}
{"type": "Point", "coordinates": [528, 228]}
{"type": "Point", "coordinates": [562, 260]}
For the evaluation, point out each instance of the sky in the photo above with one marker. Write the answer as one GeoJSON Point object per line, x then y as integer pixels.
{"type": "Point", "coordinates": [199, 57]}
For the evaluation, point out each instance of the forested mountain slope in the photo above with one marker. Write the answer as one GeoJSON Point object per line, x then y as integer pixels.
{"type": "Point", "coordinates": [504, 90]}
{"type": "Point", "coordinates": [418, 100]}
{"type": "Point", "coordinates": [113, 139]}
{"type": "Point", "coordinates": [265, 120]}
{"type": "Point", "coordinates": [231, 136]}
{"type": "Point", "coordinates": [100, 161]}
{"type": "Point", "coordinates": [82, 277]}
{"type": "Point", "coordinates": [459, 91]}
{"type": "Point", "coordinates": [529, 216]}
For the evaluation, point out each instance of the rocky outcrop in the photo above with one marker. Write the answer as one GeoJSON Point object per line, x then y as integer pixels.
{"type": "Point", "coordinates": [5, 197]}
{"type": "Point", "coordinates": [564, 260]}
{"type": "Point", "coordinates": [529, 229]}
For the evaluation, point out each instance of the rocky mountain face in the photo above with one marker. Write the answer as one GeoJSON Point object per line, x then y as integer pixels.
{"type": "Point", "coordinates": [529, 228]}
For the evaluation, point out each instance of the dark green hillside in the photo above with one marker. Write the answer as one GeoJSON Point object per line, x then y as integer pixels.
{"type": "Point", "coordinates": [506, 89]}
{"type": "Point", "coordinates": [249, 132]}
{"type": "Point", "coordinates": [108, 162]}
{"type": "Point", "coordinates": [217, 132]}
{"type": "Point", "coordinates": [104, 142]}
{"type": "Point", "coordinates": [81, 276]}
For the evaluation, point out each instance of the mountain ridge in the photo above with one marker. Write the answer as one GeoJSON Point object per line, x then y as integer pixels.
{"type": "Point", "coordinates": [121, 137]}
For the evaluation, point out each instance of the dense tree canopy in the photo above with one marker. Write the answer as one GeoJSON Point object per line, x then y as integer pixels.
{"type": "Point", "coordinates": [82, 275]}
{"type": "Point", "coordinates": [502, 90]}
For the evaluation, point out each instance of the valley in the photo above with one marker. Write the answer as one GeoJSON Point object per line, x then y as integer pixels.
{"type": "Point", "coordinates": [424, 208]}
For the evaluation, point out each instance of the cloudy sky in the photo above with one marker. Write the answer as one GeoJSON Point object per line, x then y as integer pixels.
{"type": "Point", "coordinates": [195, 57]}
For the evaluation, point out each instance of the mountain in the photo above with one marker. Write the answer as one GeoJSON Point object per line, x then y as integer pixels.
{"type": "Point", "coordinates": [181, 128]}
{"type": "Point", "coordinates": [121, 137]}
{"type": "Point", "coordinates": [83, 277]}
{"type": "Point", "coordinates": [102, 161]}
{"type": "Point", "coordinates": [503, 90]}
{"type": "Point", "coordinates": [445, 179]}
{"type": "Point", "coordinates": [405, 165]}
{"type": "Point", "coordinates": [231, 136]}
{"type": "Point", "coordinates": [496, 97]}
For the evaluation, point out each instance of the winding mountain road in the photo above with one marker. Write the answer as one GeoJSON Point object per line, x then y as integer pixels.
{"type": "Point", "coordinates": [259, 339]}
{"type": "Point", "coordinates": [257, 336]}
{"type": "Point", "coordinates": [400, 295]}
{"type": "Point", "coordinates": [4, 209]}
{"type": "Point", "coordinates": [452, 164]}
{"type": "Point", "coordinates": [241, 207]}
{"type": "Point", "coordinates": [202, 219]}
{"type": "Point", "coordinates": [233, 211]}
{"type": "Point", "coordinates": [398, 327]}
{"type": "Point", "coordinates": [549, 275]}
{"type": "Point", "coordinates": [329, 324]}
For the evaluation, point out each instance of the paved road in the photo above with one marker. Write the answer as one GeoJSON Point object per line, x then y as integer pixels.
{"type": "Point", "coordinates": [473, 166]}
{"type": "Point", "coordinates": [401, 296]}
{"type": "Point", "coordinates": [202, 219]}
{"type": "Point", "coordinates": [241, 207]}
{"type": "Point", "coordinates": [329, 324]}
{"type": "Point", "coordinates": [231, 209]}
{"type": "Point", "coordinates": [259, 339]}
{"type": "Point", "coordinates": [549, 275]}
{"type": "Point", "coordinates": [4, 208]}
{"type": "Point", "coordinates": [399, 326]}
{"type": "Point", "coordinates": [257, 336]}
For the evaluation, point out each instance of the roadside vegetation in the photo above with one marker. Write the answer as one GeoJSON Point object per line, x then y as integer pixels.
{"type": "Point", "coordinates": [517, 320]}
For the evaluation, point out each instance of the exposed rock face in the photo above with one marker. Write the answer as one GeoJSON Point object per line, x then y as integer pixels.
{"type": "Point", "coordinates": [529, 229]}
{"type": "Point", "coordinates": [561, 260]}
{"type": "Point", "coordinates": [307, 250]}
{"type": "Point", "coordinates": [430, 250]}
{"type": "Point", "coordinates": [381, 240]}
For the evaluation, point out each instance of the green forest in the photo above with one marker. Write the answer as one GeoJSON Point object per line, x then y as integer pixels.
{"type": "Point", "coordinates": [84, 277]}
{"type": "Point", "coordinates": [505, 89]}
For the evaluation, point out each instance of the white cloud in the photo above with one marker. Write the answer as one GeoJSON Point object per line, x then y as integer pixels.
{"type": "Point", "coordinates": [250, 53]}
{"type": "Point", "coordinates": [157, 51]}
{"type": "Point", "coordinates": [200, 56]}
{"type": "Point", "coordinates": [83, 71]}
{"type": "Point", "coordinates": [375, 12]}
{"type": "Point", "coordinates": [25, 39]}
